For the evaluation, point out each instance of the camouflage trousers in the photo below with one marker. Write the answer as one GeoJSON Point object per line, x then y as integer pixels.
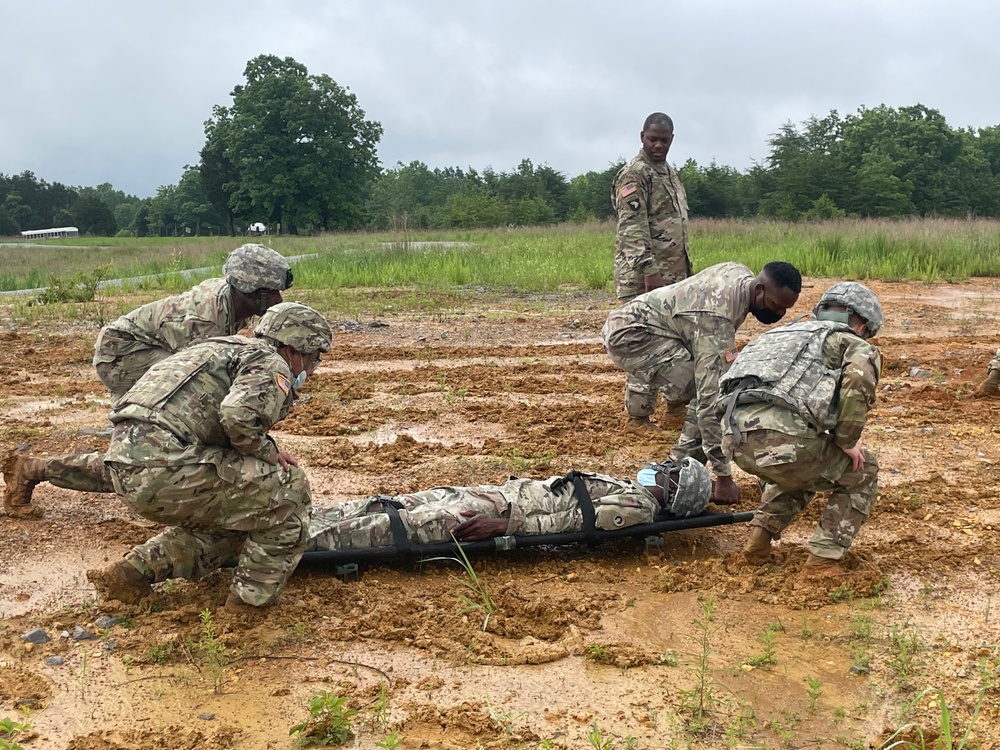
{"type": "Point", "coordinates": [994, 364]}
{"type": "Point", "coordinates": [630, 282]}
{"type": "Point", "coordinates": [261, 520]}
{"type": "Point", "coordinates": [84, 472]}
{"type": "Point", "coordinates": [652, 363]}
{"type": "Point", "coordinates": [120, 361]}
{"type": "Point", "coordinates": [532, 505]}
{"type": "Point", "coordinates": [794, 469]}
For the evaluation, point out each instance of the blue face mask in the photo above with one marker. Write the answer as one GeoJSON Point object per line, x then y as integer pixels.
{"type": "Point", "coordinates": [300, 380]}
{"type": "Point", "coordinates": [646, 477]}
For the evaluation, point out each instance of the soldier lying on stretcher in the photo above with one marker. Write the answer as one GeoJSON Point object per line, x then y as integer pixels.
{"type": "Point", "coordinates": [517, 507]}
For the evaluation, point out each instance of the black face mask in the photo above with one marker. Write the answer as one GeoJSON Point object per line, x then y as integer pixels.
{"type": "Point", "coordinates": [765, 316]}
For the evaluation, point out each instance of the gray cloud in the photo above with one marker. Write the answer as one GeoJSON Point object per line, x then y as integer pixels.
{"type": "Point", "coordinates": [118, 92]}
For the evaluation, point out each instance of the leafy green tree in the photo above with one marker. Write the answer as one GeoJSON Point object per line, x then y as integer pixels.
{"type": "Point", "coordinates": [93, 215]}
{"type": "Point", "coordinates": [8, 226]}
{"type": "Point", "coordinates": [302, 152]}
{"type": "Point", "coordinates": [218, 173]}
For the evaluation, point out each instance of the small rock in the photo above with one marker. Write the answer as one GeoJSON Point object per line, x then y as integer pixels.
{"type": "Point", "coordinates": [206, 716]}
{"type": "Point", "coordinates": [378, 324]}
{"type": "Point", "coordinates": [421, 338]}
{"type": "Point", "coordinates": [54, 661]}
{"type": "Point", "coordinates": [109, 645]}
{"type": "Point", "coordinates": [858, 669]}
{"type": "Point", "coordinates": [82, 634]}
{"type": "Point", "coordinates": [521, 319]}
{"type": "Point", "coordinates": [920, 372]}
{"type": "Point", "coordinates": [38, 635]}
{"type": "Point", "coordinates": [106, 621]}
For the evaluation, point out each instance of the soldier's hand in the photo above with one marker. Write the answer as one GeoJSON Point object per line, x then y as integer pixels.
{"type": "Point", "coordinates": [857, 455]}
{"type": "Point", "coordinates": [725, 491]}
{"type": "Point", "coordinates": [286, 460]}
{"type": "Point", "coordinates": [479, 526]}
{"type": "Point", "coordinates": [654, 281]}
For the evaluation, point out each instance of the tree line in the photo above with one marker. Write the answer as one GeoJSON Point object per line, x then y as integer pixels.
{"type": "Point", "coordinates": [296, 151]}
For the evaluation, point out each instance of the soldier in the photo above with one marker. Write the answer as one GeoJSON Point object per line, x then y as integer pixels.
{"type": "Point", "coordinates": [990, 388]}
{"type": "Point", "coordinates": [794, 405]}
{"type": "Point", "coordinates": [651, 249]}
{"type": "Point", "coordinates": [253, 278]}
{"type": "Point", "coordinates": [517, 507]}
{"type": "Point", "coordinates": [191, 449]}
{"type": "Point", "coordinates": [681, 338]}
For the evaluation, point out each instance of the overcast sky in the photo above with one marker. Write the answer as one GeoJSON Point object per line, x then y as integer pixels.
{"type": "Point", "coordinates": [111, 91]}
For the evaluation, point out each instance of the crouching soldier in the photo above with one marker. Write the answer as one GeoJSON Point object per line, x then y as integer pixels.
{"type": "Point", "coordinates": [990, 388]}
{"type": "Point", "coordinates": [191, 450]}
{"type": "Point", "coordinates": [793, 406]}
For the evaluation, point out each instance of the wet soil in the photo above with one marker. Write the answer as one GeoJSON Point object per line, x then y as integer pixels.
{"type": "Point", "coordinates": [675, 645]}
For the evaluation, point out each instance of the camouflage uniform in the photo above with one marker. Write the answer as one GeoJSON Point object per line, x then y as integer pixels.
{"type": "Point", "coordinates": [190, 448]}
{"type": "Point", "coordinates": [799, 452]}
{"type": "Point", "coordinates": [133, 343]}
{"type": "Point", "coordinates": [993, 364]}
{"type": "Point", "coordinates": [531, 507]}
{"type": "Point", "coordinates": [677, 339]}
{"type": "Point", "coordinates": [652, 225]}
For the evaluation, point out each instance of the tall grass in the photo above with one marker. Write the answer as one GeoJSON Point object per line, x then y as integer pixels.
{"type": "Point", "coordinates": [566, 257]}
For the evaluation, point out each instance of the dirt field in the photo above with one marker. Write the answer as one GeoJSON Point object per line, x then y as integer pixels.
{"type": "Point", "coordinates": [610, 638]}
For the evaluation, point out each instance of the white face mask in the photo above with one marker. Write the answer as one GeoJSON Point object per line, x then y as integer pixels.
{"type": "Point", "coordinates": [300, 380]}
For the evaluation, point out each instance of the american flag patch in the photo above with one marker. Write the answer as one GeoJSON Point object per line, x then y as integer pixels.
{"type": "Point", "coordinates": [283, 383]}
{"type": "Point", "coordinates": [627, 190]}
{"type": "Point", "coordinates": [731, 354]}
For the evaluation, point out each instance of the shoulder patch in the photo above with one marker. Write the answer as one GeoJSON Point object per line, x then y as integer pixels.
{"type": "Point", "coordinates": [627, 190]}
{"type": "Point", "coordinates": [731, 354]}
{"type": "Point", "coordinates": [633, 203]}
{"type": "Point", "coordinates": [283, 383]}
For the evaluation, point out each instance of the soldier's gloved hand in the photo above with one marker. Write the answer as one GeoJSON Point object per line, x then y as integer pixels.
{"type": "Point", "coordinates": [857, 455]}
{"type": "Point", "coordinates": [725, 491]}
{"type": "Point", "coordinates": [286, 460]}
{"type": "Point", "coordinates": [479, 526]}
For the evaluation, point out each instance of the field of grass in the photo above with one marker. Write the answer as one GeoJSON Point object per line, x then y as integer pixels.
{"type": "Point", "coordinates": [528, 260]}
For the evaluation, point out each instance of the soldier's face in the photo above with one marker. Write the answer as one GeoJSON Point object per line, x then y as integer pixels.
{"type": "Point", "coordinates": [656, 141]}
{"type": "Point", "coordinates": [771, 303]}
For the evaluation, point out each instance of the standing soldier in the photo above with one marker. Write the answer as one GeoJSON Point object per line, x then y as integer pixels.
{"type": "Point", "coordinates": [651, 248]}
{"type": "Point", "coordinates": [794, 405]}
{"type": "Point", "coordinates": [990, 388]}
{"type": "Point", "coordinates": [191, 450]}
{"type": "Point", "coordinates": [253, 278]}
{"type": "Point", "coordinates": [681, 338]}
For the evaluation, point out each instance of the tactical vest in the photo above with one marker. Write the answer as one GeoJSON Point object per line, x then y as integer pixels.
{"type": "Point", "coordinates": [785, 367]}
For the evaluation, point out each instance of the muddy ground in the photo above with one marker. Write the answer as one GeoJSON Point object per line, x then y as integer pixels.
{"type": "Point", "coordinates": [618, 644]}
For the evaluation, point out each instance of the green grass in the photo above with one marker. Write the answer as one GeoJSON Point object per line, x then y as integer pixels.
{"type": "Point", "coordinates": [533, 260]}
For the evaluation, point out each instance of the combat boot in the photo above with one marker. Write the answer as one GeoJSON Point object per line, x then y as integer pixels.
{"type": "Point", "coordinates": [757, 550]}
{"type": "Point", "coordinates": [121, 581]}
{"type": "Point", "coordinates": [235, 606]}
{"type": "Point", "coordinates": [989, 388]}
{"type": "Point", "coordinates": [21, 474]}
{"type": "Point", "coordinates": [822, 567]}
{"type": "Point", "coordinates": [641, 423]}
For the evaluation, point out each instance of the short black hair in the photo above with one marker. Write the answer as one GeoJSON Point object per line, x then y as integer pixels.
{"type": "Point", "coordinates": [783, 275]}
{"type": "Point", "coordinates": [658, 119]}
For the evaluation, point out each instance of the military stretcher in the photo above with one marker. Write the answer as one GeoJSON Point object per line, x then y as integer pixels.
{"type": "Point", "coordinates": [403, 548]}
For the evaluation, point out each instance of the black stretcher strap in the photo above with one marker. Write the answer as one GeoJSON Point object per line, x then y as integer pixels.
{"type": "Point", "coordinates": [586, 504]}
{"type": "Point", "coordinates": [399, 538]}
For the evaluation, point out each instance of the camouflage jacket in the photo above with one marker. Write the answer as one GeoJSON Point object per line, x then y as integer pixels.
{"type": "Point", "coordinates": [652, 236]}
{"type": "Point", "coordinates": [703, 312]}
{"type": "Point", "coordinates": [172, 323]}
{"type": "Point", "coordinates": [223, 394]}
{"type": "Point", "coordinates": [857, 366]}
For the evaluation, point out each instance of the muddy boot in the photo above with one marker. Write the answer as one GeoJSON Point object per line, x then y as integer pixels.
{"type": "Point", "coordinates": [235, 606]}
{"type": "Point", "coordinates": [20, 474]}
{"type": "Point", "coordinates": [641, 423]}
{"type": "Point", "coordinates": [121, 581]}
{"type": "Point", "coordinates": [757, 550]}
{"type": "Point", "coordinates": [822, 567]}
{"type": "Point", "coordinates": [989, 388]}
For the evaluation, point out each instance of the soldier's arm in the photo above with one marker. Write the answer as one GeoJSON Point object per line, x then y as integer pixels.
{"type": "Point", "coordinates": [632, 206]}
{"type": "Point", "coordinates": [861, 369]}
{"type": "Point", "coordinates": [254, 403]}
{"type": "Point", "coordinates": [713, 338]}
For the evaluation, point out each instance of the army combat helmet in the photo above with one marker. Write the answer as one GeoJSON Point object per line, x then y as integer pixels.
{"type": "Point", "coordinates": [856, 298]}
{"type": "Point", "coordinates": [687, 486]}
{"type": "Point", "coordinates": [251, 267]}
{"type": "Point", "coordinates": [297, 326]}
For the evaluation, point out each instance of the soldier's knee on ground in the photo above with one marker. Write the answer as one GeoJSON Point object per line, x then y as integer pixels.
{"type": "Point", "coordinates": [989, 388]}
{"type": "Point", "coordinates": [640, 401]}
